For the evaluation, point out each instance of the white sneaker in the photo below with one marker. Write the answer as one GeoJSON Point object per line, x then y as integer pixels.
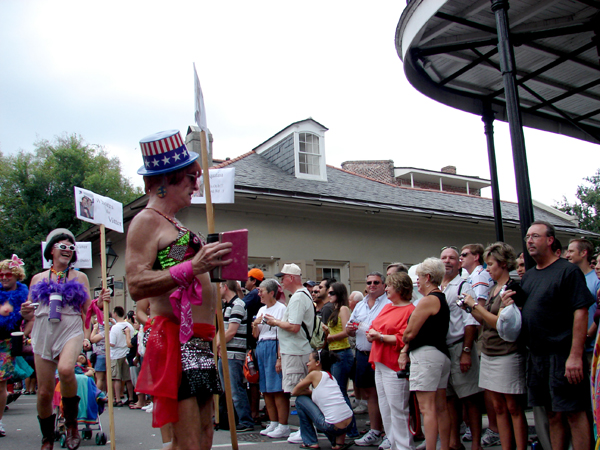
{"type": "Point", "coordinates": [295, 438]}
{"type": "Point", "coordinates": [361, 408]}
{"type": "Point", "coordinates": [271, 427]}
{"type": "Point", "coordinates": [282, 431]}
{"type": "Point", "coordinates": [150, 408]}
{"type": "Point", "coordinates": [149, 405]}
{"type": "Point", "coordinates": [467, 437]}
{"type": "Point", "coordinates": [490, 438]}
{"type": "Point", "coordinates": [422, 446]}
{"type": "Point", "coordinates": [2, 430]}
{"type": "Point", "coordinates": [385, 444]}
{"type": "Point", "coordinates": [369, 439]}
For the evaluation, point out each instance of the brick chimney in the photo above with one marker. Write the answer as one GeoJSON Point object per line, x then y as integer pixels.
{"type": "Point", "coordinates": [449, 169]}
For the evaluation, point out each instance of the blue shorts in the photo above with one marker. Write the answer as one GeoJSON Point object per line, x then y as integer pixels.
{"type": "Point", "coordinates": [100, 363]}
{"type": "Point", "coordinates": [266, 356]}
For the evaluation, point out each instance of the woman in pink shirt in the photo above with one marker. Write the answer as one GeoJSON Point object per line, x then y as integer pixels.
{"type": "Point", "coordinates": [386, 336]}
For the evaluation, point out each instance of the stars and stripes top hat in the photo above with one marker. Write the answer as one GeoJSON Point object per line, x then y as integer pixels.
{"type": "Point", "coordinates": [164, 152]}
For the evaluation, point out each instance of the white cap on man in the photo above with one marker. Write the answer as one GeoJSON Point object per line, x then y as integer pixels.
{"type": "Point", "coordinates": [289, 269]}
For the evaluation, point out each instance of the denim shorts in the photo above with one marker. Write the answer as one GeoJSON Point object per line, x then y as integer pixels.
{"type": "Point", "coordinates": [100, 363]}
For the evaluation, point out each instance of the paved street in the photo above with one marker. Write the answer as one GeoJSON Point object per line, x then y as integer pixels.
{"type": "Point", "coordinates": [133, 431]}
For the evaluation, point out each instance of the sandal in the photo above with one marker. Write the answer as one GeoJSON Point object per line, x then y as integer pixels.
{"type": "Point", "coordinates": [132, 406]}
{"type": "Point", "coordinates": [314, 447]}
{"type": "Point", "coordinates": [343, 446]}
{"type": "Point", "coordinates": [118, 404]}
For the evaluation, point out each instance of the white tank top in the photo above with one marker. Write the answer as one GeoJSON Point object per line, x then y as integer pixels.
{"type": "Point", "coordinates": [328, 397]}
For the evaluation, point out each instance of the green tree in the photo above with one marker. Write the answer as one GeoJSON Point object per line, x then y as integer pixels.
{"type": "Point", "coordinates": [36, 192]}
{"type": "Point", "coordinates": [587, 208]}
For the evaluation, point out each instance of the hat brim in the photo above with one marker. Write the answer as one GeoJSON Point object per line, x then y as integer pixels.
{"type": "Point", "coordinates": [279, 275]}
{"type": "Point", "coordinates": [148, 173]}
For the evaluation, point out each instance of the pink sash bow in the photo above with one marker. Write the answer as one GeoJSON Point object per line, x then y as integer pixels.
{"type": "Point", "coordinates": [94, 309]}
{"type": "Point", "coordinates": [189, 292]}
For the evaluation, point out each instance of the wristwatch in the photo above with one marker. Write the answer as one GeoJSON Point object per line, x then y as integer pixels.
{"type": "Point", "coordinates": [467, 349]}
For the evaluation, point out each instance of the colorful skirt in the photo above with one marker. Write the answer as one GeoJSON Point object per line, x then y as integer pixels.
{"type": "Point", "coordinates": [6, 364]}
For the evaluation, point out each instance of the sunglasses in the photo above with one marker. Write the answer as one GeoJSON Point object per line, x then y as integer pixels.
{"type": "Point", "coordinates": [331, 293]}
{"type": "Point", "coordinates": [369, 283]}
{"type": "Point", "coordinates": [193, 176]}
{"type": "Point", "coordinates": [65, 247]}
{"type": "Point", "coordinates": [6, 275]}
{"type": "Point", "coordinates": [464, 255]}
{"type": "Point", "coordinates": [449, 246]}
{"type": "Point", "coordinates": [315, 292]}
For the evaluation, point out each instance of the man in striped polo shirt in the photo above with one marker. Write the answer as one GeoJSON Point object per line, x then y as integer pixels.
{"type": "Point", "coordinates": [235, 318]}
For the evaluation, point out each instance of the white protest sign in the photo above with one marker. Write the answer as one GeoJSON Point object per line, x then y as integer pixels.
{"type": "Point", "coordinates": [221, 187]}
{"type": "Point", "coordinates": [84, 256]}
{"type": "Point", "coordinates": [99, 210]}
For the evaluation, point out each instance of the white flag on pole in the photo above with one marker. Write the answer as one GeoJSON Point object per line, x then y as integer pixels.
{"type": "Point", "coordinates": [200, 113]}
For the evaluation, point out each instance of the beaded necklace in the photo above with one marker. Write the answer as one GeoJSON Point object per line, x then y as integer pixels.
{"type": "Point", "coordinates": [59, 275]}
{"type": "Point", "coordinates": [173, 221]}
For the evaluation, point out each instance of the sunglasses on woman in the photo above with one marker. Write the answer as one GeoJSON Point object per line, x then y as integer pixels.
{"type": "Point", "coordinates": [65, 247]}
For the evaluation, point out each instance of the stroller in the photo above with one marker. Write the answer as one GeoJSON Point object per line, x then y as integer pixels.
{"type": "Point", "coordinates": [91, 405]}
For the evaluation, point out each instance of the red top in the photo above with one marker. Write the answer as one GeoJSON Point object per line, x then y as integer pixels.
{"type": "Point", "coordinates": [391, 320]}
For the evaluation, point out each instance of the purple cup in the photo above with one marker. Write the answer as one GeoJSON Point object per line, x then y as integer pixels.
{"type": "Point", "coordinates": [55, 307]}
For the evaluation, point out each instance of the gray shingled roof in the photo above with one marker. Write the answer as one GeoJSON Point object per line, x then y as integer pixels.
{"type": "Point", "coordinates": [255, 174]}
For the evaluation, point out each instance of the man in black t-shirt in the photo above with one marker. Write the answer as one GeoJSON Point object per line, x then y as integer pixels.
{"type": "Point", "coordinates": [554, 328]}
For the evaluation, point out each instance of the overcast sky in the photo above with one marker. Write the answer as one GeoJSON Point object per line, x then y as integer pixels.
{"type": "Point", "coordinates": [117, 71]}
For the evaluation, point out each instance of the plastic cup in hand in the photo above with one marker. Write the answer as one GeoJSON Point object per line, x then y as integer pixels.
{"type": "Point", "coordinates": [55, 308]}
{"type": "Point", "coordinates": [16, 343]}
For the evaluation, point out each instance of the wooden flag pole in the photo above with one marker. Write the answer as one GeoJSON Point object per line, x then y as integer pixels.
{"type": "Point", "coordinates": [106, 307]}
{"type": "Point", "coordinates": [211, 229]}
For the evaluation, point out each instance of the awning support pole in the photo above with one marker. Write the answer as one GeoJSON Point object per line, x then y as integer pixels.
{"type": "Point", "coordinates": [507, 66]}
{"type": "Point", "coordinates": [488, 120]}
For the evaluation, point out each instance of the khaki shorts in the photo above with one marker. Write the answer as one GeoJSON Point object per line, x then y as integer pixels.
{"type": "Point", "coordinates": [429, 369]}
{"type": "Point", "coordinates": [293, 369]}
{"type": "Point", "coordinates": [119, 369]}
{"type": "Point", "coordinates": [463, 384]}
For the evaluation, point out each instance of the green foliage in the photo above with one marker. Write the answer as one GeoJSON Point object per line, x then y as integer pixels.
{"type": "Point", "coordinates": [36, 192]}
{"type": "Point", "coordinates": [587, 208]}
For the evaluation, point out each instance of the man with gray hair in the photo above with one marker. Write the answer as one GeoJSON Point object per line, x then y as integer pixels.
{"type": "Point", "coordinates": [294, 344]}
{"type": "Point", "coordinates": [363, 315]}
{"type": "Point", "coordinates": [395, 267]}
{"type": "Point", "coordinates": [354, 299]}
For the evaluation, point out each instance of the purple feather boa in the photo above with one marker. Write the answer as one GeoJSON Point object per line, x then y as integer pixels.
{"type": "Point", "coordinates": [74, 293]}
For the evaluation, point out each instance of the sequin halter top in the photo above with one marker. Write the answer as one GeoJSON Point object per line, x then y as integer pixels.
{"type": "Point", "coordinates": [181, 249]}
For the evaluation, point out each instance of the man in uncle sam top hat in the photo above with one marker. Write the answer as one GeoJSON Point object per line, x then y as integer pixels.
{"type": "Point", "coordinates": [169, 264]}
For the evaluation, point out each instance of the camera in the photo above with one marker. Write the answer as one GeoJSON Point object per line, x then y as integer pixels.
{"type": "Point", "coordinates": [404, 373]}
{"type": "Point", "coordinates": [461, 303]}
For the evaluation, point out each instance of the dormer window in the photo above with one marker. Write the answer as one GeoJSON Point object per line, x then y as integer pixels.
{"type": "Point", "coordinates": [298, 149]}
{"type": "Point", "coordinates": [309, 155]}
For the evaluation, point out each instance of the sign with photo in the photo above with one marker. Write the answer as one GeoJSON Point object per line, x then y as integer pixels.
{"type": "Point", "coordinates": [98, 210]}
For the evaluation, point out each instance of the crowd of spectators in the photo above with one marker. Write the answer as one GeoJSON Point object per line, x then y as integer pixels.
{"type": "Point", "coordinates": [435, 336]}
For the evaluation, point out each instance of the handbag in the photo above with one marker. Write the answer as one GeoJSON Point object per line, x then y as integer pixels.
{"type": "Point", "coordinates": [251, 368]}
{"type": "Point", "coordinates": [509, 323]}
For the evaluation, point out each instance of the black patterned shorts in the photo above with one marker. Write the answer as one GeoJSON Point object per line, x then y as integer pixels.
{"type": "Point", "coordinates": [199, 377]}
